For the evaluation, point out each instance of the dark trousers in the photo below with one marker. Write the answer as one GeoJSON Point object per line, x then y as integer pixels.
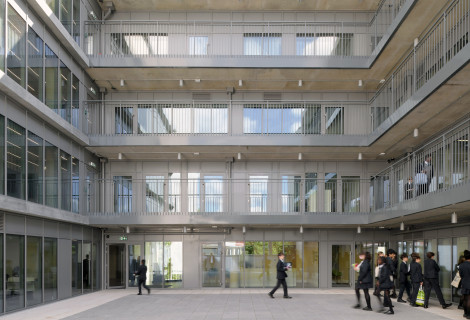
{"type": "Point", "coordinates": [284, 286]}
{"type": "Point", "coordinates": [404, 286]}
{"type": "Point", "coordinates": [433, 284]}
{"type": "Point", "coordinates": [414, 294]}
{"type": "Point", "coordinates": [366, 295]}
{"type": "Point", "coordinates": [466, 304]}
{"type": "Point", "coordinates": [142, 284]}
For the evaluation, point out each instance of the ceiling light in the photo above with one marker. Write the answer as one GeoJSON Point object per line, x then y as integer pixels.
{"type": "Point", "coordinates": [196, 153]}
{"type": "Point", "coordinates": [214, 227]}
{"type": "Point", "coordinates": [181, 82]}
{"type": "Point", "coordinates": [244, 229]}
{"type": "Point", "coordinates": [359, 230]}
{"type": "Point", "coordinates": [300, 156]}
{"type": "Point", "coordinates": [128, 229]}
{"type": "Point", "coordinates": [381, 227]}
{"type": "Point", "coordinates": [382, 81]}
{"type": "Point", "coordinates": [359, 156]}
{"type": "Point", "coordinates": [185, 230]}
{"type": "Point", "coordinates": [402, 226]}
{"type": "Point", "coordinates": [301, 229]}
{"type": "Point", "coordinates": [453, 218]}
{"type": "Point", "coordinates": [382, 154]}
{"type": "Point", "coordinates": [239, 156]}
{"type": "Point", "coordinates": [416, 42]}
{"type": "Point", "coordinates": [122, 83]}
{"type": "Point", "coordinates": [197, 80]}
{"type": "Point", "coordinates": [179, 155]}
{"type": "Point", "coordinates": [120, 156]}
{"type": "Point", "coordinates": [240, 83]}
{"type": "Point", "coordinates": [300, 83]}
{"type": "Point", "coordinates": [359, 83]}
{"type": "Point", "coordinates": [415, 133]}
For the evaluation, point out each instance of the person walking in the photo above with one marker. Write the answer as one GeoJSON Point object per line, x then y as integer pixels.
{"type": "Point", "coordinates": [403, 278]}
{"type": "Point", "coordinates": [464, 270]}
{"type": "Point", "coordinates": [386, 284]}
{"type": "Point", "coordinates": [281, 277]}
{"type": "Point", "coordinates": [431, 281]}
{"type": "Point", "coordinates": [416, 277]}
{"type": "Point", "coordinates": [142, 273]}
{"type": "Point", "coordinates": [461, 260]}
{"type": "Point", "coordinates": [364, 280]}
{"type": "Point", "coordinates": [376, 274]}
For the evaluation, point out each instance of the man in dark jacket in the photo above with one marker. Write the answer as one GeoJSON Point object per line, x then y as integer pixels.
{"type": "Point", "coordinates": [385, 283]}
{"type": "Point", "coordinates": [392, 263]}
{"type": "Point", "coordinates": [416, 277]}
{"type": "Point", "coordinates": [142, 273]}
{"type": "Point", "coordinates": [281, 277]}
{"type": "Point", "coordinates": [431, 281]}
{"type": "Point", "coordinates": [464, 271]}
{"type": "Point", "coordinates": [403, 279]}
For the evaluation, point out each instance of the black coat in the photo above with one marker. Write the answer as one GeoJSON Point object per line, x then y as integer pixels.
{"type": "Point", "coordinates": [281, 270]}
{"type": "Point", "coordinates": [364, 280]}
{"type": "Point", "coordinates": [404, 273]}
{"type": "Point", "coordinates": [416, 273]}
{"type": "Point", "coordinates": [384, 277]}
{"type": "Point", "coordinates": [464, 270]}
{"type": "Point", "coordinates": [431, 269]}
{"type": "Point", "coordinates": [392, 265]}
{"type": "Point", "coordinates": [142, 272]}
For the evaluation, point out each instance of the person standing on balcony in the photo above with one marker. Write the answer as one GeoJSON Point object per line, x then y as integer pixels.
{"type": "Point", "coordinates": [403, 279]}
{"type": "Point", "coordinates": [416, 277]}
{"type": "Point", "coordinates": [364, 280]}
{"type": "Point", "coordinates": [281, 277]}
{"type": "Point", "coordinates": [431, 281]}
{"type": "Point", "coordinates": [464, 270]}
{"type": "Point", "coordinates": [424, 175]}
{"type": "Point", "coordinates": [409, 188]}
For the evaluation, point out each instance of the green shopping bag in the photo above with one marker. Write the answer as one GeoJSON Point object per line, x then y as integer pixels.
{"type": "Point", "coordinates": [420, 298]}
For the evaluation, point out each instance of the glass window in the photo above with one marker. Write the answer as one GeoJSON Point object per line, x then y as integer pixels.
{"type": "Point", "coordinates": [262, 44]}
{"type": "Point", "coordinates": [2, 43]}
{"type": "Point", "coordinates": [154, 194]}
{"type": "Point", "coordinates": [86, 265]}
{"type": "Point", "coordinates": [16, 160]}
{"type": "Point", "coordinates": [66, 14]}
{"type": "Point", "coordinates": [14, 272]}
{"type": "Point", "coordinates": [65, 92]}
{"type": "Point", "coordinates": [158, 43]}
{"type": "Point", "coordinates": [198, 45]}
{"type": "Point", "coordinates": [311, 191]}
{"type": "Point", "coordinates": [290, 198]}
{"type": "Point", "coordinates": [76, 267]}
{"type": "Point", "coordinates": [365, 247]}
{"type": "Point", "coordinates": [75, 185]}
{"type": "Point", "coordinates": [194, 192]}
{"type": "Point", "coordinates": [35, 168]}
{"type": "Point", "coordinates": [258, 193]}
{"type": "Point", "coordinates": [351, 194]}
{"type": "Point", "coordinates": [154, 262]}
{"type": "Point", "coordinates": [123, 117]}
{"type": "Point", "coordinates": [330, 192]}
{"type": "Point", "coordinates": [444, 259]}
{"type": "Point", "coordinates": [16, 36]}
{"type": "Point", "coordinates": [173, 268]}
{"type": "Point", "coordinates": [340, 265]}
{"type": "Point", "coordinates": [75, 111]}
{"type": "Point", "coordinates": [254, 264]}
{"type": "Point", "coordinates": [76, 21]}
{"type": "Point", "coordinates": [212, 118]}
{"type": "Point", "coordinates": [136, 254]}
{"type": "Point", "coordinates": [213, 194]}
{"type": "Point", "coordinates": [272, 248]}
{"type": "Point", "coordinates": [54, 5]}
{"type": "Point", "coordinates": [311, 264]}
{"type": "Point", "coordinates": [234, 264]}
{"type": "Point", "coordinates": [293, 252]}
{"type": "Point", "coordinates": [50, 269]}
{"type": "Point", "coordinates": [458, 246]}
{"type": "Point", "coordinates": [174, 192]}
{"type": "Point", "coordinates": [334, 120]}
{"type": "Point", "coordinates": [52, 79]}
{"type": "Point", "coordinates": [95, 263]}
{"type": "Point", "coordinates": [35, 64]}
{"type": "Point", "coordinates": [51, 173]}
{"type": "Point", "coordinates": [122, 194]}
{"type": "Point", "coordinates": [1, 270]}
{"type": "Point", "coordinates": [2, 155]}
{"type": "Point", "coordinates": [65, 180]}
{"type": "Point", "coordinates": [34, 270]}
{"type": "Point", "coordinates": [323, 44]}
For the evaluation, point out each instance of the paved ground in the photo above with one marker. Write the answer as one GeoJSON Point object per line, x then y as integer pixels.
{"type": "Point", "coordinates": [224, 304]}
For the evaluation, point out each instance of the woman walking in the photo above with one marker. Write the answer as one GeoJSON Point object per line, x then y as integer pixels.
{"type": "Point", "coordinates": [385, 283]}
{"type": "Point", "coordinates": [364, 280]}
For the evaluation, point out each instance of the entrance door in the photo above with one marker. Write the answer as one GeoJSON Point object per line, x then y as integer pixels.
{"type": "Point", "coordinates": [136, 254]}
{"type": "Point", "coordinates": [116, 266]}
{"type": "Point", "coordinates": [341, 265]}
{"type": "Point", "coordinates": [212, 264]}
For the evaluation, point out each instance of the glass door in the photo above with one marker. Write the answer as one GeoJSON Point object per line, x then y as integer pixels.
{"type": "Point", "coordinates": [136, 254]}
{"type": "Point", "coordinates": [116, 265]}
{"type": "Point", "coordinates": [212, 264]}
{"type": "Point", "coordinates": [341, 265]}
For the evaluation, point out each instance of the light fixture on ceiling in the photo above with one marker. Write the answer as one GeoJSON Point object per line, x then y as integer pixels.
{"type": "Point", "coordinates": [122, 83]}
{"type": "Point", "coordinates": [415, 133]}
{"type": "Point", "coordinates": [416, 42]}
{"type": "Point", "coordinates": [382, 154]}
{"type": "Point", "coordinates": [359, 230]}
{"type": "Point", "coordinates": [239, 156]}
{"type": "Point", "coordinates": [300, 83]}
{"type": "Point", "coordinates": [244, 229]}
{"type": "Point", "coordinates": [359, 156]}
{"type": "Point", "coordinates": [301, 229]}
{"type": "Point", "coordinates": [120, 156]}
{"type": "Point", "coordinates": [300, 155]}
{"type": "Point", "coordinates": [382, 81]}
{"type": "Point", "coordinates": [240, 83]}
{"type": "Point", "coordinates": [453, 218]}
{"type": "Point", "coordinates": [197, 80]}
{"type": "Point", "coordinates": [181, 82]}
{"type": "Point", "coordinates": [196, 153]}
{"type": "Point", "coordinates": [179, 155]}
{"type": "Point", "coordinates": [185, 230]}
{"type": "Point", "coordinates": [128, 229]}
{"type": "Point", "coordinates": [359, 83]}
{"type": "Point", "coordinates": [402, 226]}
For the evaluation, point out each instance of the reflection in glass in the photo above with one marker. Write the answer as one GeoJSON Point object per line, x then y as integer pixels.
{"type": "Point", "coordinates": [16, 36]}
{"type": "Point", "coordinates": [194, 192]}
{"type": "Point", "coordinates": [2, 46]}
{"type": "Point", "coordinates": [340, 265]}
{"type": "Point", "coordinates": [14, 272]}
{"type": "Point", "coordinates": [174, 192]}
{"type": "Point", "coordinates": [458, 246]}
{"type": "Point", "coordinates": [123, 120]}
{"type": "Point", "coordinates": [272, 249]}
{"type": "Point", "coordinates": [198, 45]}
{"type": "Point", "coordinates": [213, 194]}
{"type": "Point", "coordinates": [154, 194]}
{"type": "Point", "coordinates": [293, 252]}
{"type": "Point", "coordinates": [2, 153]}
{"type": "Point", "coordinates": [290, 199]}
{"type": "Point", "coordinates": [351, 194]}
{"type": "Point", "coordinates": [173, 268]}
{"type": "Point", "coordinates": [334, 120]}
{"type": "Point", "coordinates": [35, 65]}
{"type": "Point", "coordinates": [75, 184]}
{"type": "Point", "coordinates": [262, 44]}
{"type": "Point", "coordinates": [136, 254]}
{"type": "Point", "coordinates": [154, 262]}
{"type": "Point", "coordinates": [323, 44]}
{"type": "Point", "coordinates": [311, 191]}
{"type": "Point", "coordinates": [95, 264]}
{"type": "Point", "coordinates": [50, 269]}
{"type": "Point", "coordinates": [65, 180]}
{"type": "Point", "coordinates": [311, 264]}
{"type": "Point", "coordinates": [76, 21]}
{"type": "Point", "coordinates": [65, 92]}
{"type": "Point", "coordinates": [16, 160]}
{"type": "Point", "coordinates": [66, 14]}
{"type": "Point", "coordinates": [52, 79]}
{"type": "Point", "coordinates": [51, 174]}
{"type": "Point", "coordinates": [34, 271]}
{"type": "Point", "coordinates": [444, 259]}
{"type": "Point", "coordinates": [75, 105]}
{"type": "Point", "coordinates": [35, 168]}
{"type": "Point", "coordinates": [211, 265]}
{"type": "Point", "coordinates": [76, 267]}
{"type": "Point", "coordinates": [234, 264]}
{"type": "Point", "coordinates": [258, 193]}
{"type": "Point", "coordinates": [122, 194]}
{"type": "Point", "coordinates": [86, 266]}
{"type": "Point", "coordinates": [254, 264]}
{"type": "Point", "coordinates": [330, 192]}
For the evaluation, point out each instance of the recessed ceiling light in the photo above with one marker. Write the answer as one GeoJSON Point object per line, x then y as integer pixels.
{"type": "Point", "coordinates": [382, 154]}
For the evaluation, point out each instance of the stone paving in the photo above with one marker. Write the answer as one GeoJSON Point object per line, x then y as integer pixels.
{"type": "Point", "coordinates": [224, 304]}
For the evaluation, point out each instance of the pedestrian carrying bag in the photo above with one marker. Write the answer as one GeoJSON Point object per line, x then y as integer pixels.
{"type": "Point", "coordinates": [420, 298]}
{"type": "Point", "coordinates": [455, 283]}
{"type": "Point", "coordinates": [421, 178]}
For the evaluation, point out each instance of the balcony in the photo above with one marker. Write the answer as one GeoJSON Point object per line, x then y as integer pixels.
{"type": "Point", "coordinates": [281, 44]}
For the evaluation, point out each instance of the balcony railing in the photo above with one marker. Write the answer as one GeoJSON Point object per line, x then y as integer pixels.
{"type": "Point", "coordinates": [239, 38]}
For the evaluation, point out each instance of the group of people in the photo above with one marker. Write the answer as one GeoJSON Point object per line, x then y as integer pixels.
{"type": "Point", "coordinates": [422, 181]}
{"type": "Point", "coordinates": [387, 272]}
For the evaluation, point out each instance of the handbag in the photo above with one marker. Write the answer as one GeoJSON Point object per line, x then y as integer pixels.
{"type": "Point", "coordinates": [420, 298]}
{"type": "Point", "coordinates": [421, 178]}
{"type": "Point", "coordinates": [455, 283]}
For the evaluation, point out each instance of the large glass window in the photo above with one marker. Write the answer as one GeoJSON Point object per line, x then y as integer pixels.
{"type": "Point", "coordinates": [459, 245]}
{"type": "Point", "coordinates": [66, 14]}
{"type": "Point", "coordinates": [14, 272]}
{"type": "Point", "coordinates": [334, 120]}
{"type": "Point", "coordinates": [234, 264]}
{"type": "Point", "coordinates": [2, 45]}
{"type": "Point", "coordinates": [95, 264]}
{"type": "Point", "coordinates": [123, 119]}
{"type": "Point", "coordinates": [258, 193]}
{"type": "Point", "coordinates": [16, 35]}
{"type": "Point", "coordinates": [262, 44]}
{"type": "Point", "coordinates": [154, 194]}
{"type": "Point", "coordinates": [75, 111]}
{"type": "Point", "coordinates": [35, 64]}
{"type": "Point", "coordinates": [330, 192]}
{"type": "Point", "coordinates": [311, 192]}
{"type": "Point", "coordinates": [122, 194]}
{"type": "Point", "coordinates": [16, 160]}
{"type": "Point", "coordinates": [293, 254]}
{"type": "Point", "coordinates": [323, 44]}
{"type": "Point", "coordinates": [52, 78]}
{"type": "Point", "coordinates": [311, 264]}
{"type": "Point", "coordinates": [51, 173]}
{"type": "Point", "coordinates": [76, 267]}
{"type": "Point", "coordinates": [2, 154]}
{"type": "Point", "coordinates": [75, 185]}
{"type": "Point", "coordinates": [290, 199]}
{"type": "Point", "coordinates": [76, 21]}
{"type": "Point", "coordinates": [136, 254]}
{"type": "Point", "coordinates": [86, 266]}
{"type": "Point", "coordinates": [213, 194]}
{"type": "Point", "coordinates": [174, 192]}
{"type": "Point", "coordinates": [65, 180]}
{"type": "Point", "coordinates": [1, 270]}
{"type": "Point", "coordinates": [198, 45]}
{"type": "Point", "coordinates": [194, 192]}
{"type": "Point", "coordinates": [351, 194]}
{"type": "Point", "coordinates": [35, 168]}
{"type": "Point", "coordinates": [173, 268]}
{"type": "Point", "coordinates": [34, 270]}
{"type": "Point", "coordinates": [444, 258]}
{"type": "Point", "coordinates": [254, 264]}
{"type": "Point", "coordinates": [154, 262]}
{"type": "Point", "coordinates": [272, 249]}
{"type": "Point", "coordinates": [50, 269]}
{"type": "Point", "coordinates": [65, 92]}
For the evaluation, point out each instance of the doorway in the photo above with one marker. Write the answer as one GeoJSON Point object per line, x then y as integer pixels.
{"type": "Point", "coordinates": [212, 264]}
{"type": "Point", "coordinates": [341, 265]}
{"type": "Point", "coordinates": [116, 265]}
